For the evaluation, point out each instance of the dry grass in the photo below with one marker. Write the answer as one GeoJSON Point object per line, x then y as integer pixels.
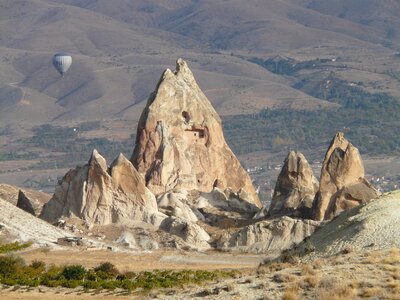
{"type": "Point", "coordinates": [394, 287]}
{"type": "Point", "coordinates": [307, 270]}
{"type": "Point", "coordinates": [318, 264]}
{"type": "Point", "coordinates": [311, 281]}
{"type": "Point", "coordinates": [393, 257]}
{"type": "Point", "coordinates": [373, 292]}
{"type": "Point", "coordinates": [290, 295]}
{"type": "Point", "coordinates": [338, 293]}
{"type": "Point", "coordinates": [284, 278]}
{"type": "Point", "coordinates": [268, 268]}
{"type": "Point", "coordinates": [332, 288]}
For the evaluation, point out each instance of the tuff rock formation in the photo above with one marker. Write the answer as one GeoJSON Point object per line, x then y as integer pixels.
{"type": "Point", "coordinates": [295, 188]}
{"type": "Point", "coordinates": [225, 200]}
{"type": "Point", "coordinates": [269, 236]}
{"type": "Point", "coordinates": [25, 204]}
{"type": "Point", "coordinates": [14, 195]}
{"type": "Point", "coordinates": [180, 143]}
{"type": "Point", "coordinates": [373, 225]}
{"type": "Point", "coordinates": [342, 182]}
{"type": "Point", "coordinates": [101, 195]}
{"type": "Point", "coordinates": [173, 204]}
{"type": "Point", "coordinates": [194, 236]}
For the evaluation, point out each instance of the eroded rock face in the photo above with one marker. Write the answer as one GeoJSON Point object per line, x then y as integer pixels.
{"type": "Point", "coordinates": [191, 233]}
{"type": "Point", "coordinates": [102, 196]}
{"type": "Point", "coordinates": [180, 143]}
{"type": "Point", "coordinates": [295, 188]}
{"type": "Point", "coordinates": [25, 203]}
{"type": "Point", "coordinates": [269, 236]}
{"type": "Point", "coordinates": [15, 195]}
{"type": "Point", "coordinates": [342, 183]}
{"type": "Point", "coordinates": [173, 204]}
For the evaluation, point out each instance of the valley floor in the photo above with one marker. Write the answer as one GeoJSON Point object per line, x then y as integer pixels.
{"type": "Point", "coordinates": [348, 275]}
{"type": "Point", "coordinates": [144, 261]}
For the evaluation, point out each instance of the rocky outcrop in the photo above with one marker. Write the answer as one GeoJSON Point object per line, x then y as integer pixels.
{"type": "Point", "coordinates": [101, 195]}
{"type": "Point", "coordinates": [342, 183]}
{"type": "Point", "coordinates": [173, 204]}
{"type": "Point", "coordinates": [194, 236]}
{"type": "Point", "coordinates": [14, 195]}
{"type": "Point", "coordinates": [25, 203]}
{"type": "Point", "coordinates": [225, 200]}
{"type": "Point", "coordinates": [370, 226]}
{"type": "Point", "coordinates": [18, 225]}
{"type": "Point", "coordinates": [295, 188]}
{"type": "Point", "coordinates": [180, 143]}
{"type": "Point", "coordinates": [269, 236]}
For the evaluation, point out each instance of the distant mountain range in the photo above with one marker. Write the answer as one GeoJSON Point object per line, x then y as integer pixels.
{"type": "Point", "coordinates": [119, 47]}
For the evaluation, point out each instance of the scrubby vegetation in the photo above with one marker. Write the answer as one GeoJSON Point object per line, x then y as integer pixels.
{"type": "Point", "coordinates": [288, 66]}
{"type": "Point", "coordinates": [14, 247]}
{"type": "Point", "coordinates": [14, 271]}
{"type": "Point", "coordinates": [67, 146]}
{"type": "Point", "coordinates": [351, 275]}
{"type": "Point", "coordinates": [370, 121]}
{"type": "Point", "coordinates": [68, 140]}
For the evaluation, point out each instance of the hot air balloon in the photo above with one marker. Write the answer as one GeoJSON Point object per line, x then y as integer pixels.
{"type": "Point", "coordinates": [62, 62]}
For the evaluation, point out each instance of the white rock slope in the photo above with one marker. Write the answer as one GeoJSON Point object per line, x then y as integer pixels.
{"type": "Point", "coordinates": [374, 225]}
{"type": "Point", "coordinates": [24, 227]}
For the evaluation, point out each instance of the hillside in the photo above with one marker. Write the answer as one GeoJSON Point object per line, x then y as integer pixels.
{"type": "Point", "coordinates": [372, 226]}
{"type": "Point", "coordinates": [119, 49]}
{"type": "Point", "coordinates": [22, 226]}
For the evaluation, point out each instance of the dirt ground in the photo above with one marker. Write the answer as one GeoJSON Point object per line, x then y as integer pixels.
{"type": "Point", "coordinates": [140, 261]}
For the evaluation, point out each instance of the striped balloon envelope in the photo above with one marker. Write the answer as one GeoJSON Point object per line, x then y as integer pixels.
{"type": "Point", "coordinates": [62, 62]}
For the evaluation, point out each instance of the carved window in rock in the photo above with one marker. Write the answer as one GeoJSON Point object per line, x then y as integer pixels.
{"type": "Point", "coordinates": [186, 117]}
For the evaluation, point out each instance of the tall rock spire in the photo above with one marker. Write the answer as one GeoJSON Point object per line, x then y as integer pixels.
{"type": "Point", "coordinates": [342, 183]}
{"type": "Point", "coordinates": [180, 143]}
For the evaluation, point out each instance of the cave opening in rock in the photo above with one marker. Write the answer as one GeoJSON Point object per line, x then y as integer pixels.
{"type": "Point", "coordinates": [186, 116]}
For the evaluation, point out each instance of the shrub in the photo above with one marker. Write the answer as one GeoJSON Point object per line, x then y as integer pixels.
{"type": "Point", "coordinates": [129, 275]}
{"type": "Point", "coordinates": [92, 284]}
{"type": "Point", "coordinates": [71, 284]}
{"type": "Point", "coordinates": [10, 265]}
{"type": "Point", "coordinates": [38, 265]}
{"type": "Point", "coordinates": [110, 285]}
{"type": "Point", "coordinates": [50, 282]}
{"type": "Point", "coordinates": [106, 271]}
{"type": "Point", "coordinates": [35, 269]}
{"type": "Point", "coordinates": [74, 272]}
{"type": "Point", "coordinates": [53, 273]}
{"type": "Point", "coordinates": [127, 285]}
{"type": "Point", "coordinates": [91, 276]}
{"type": "Point", "coordinates": [14, 247]}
